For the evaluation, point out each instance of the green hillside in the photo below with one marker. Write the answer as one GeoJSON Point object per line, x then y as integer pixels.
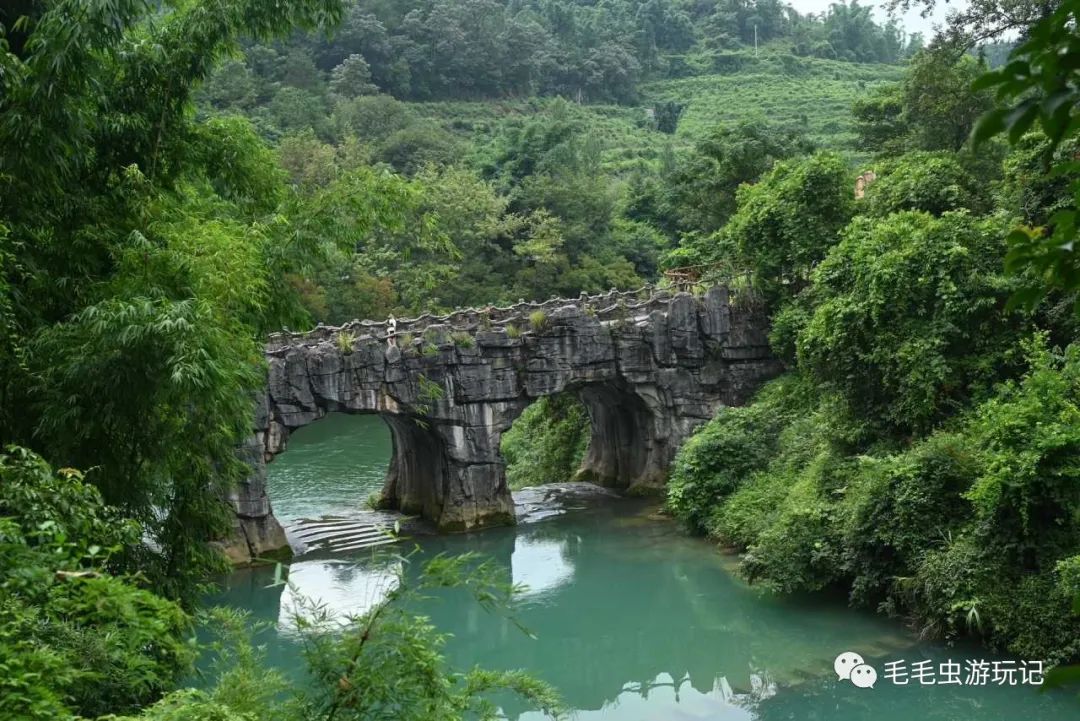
{"type": "Point", "coordinates": [810, 94]}
{"type": "Point", "coordinates": [814, 94]}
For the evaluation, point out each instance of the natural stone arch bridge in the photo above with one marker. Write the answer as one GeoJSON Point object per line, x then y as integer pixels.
{"type": "Point", "coordinates": [648, 365]}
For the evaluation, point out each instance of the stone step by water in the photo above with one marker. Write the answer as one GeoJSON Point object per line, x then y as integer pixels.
{"type": "Point", "coordinates": [323, 528]}
{"type": "Point", "coordinates": [365, 545]}
{"type": "Point", "coordinates": [340, 534]}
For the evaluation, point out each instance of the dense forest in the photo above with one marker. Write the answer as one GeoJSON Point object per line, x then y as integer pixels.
{"type": "Point", "coordinates": [921, 452]}
{"type": "Point", "coordinates": [595, 52]}
{"type": "Point", "coordinates": [179, 179]}
{"type": "Point", "coordinates": [553, 195]}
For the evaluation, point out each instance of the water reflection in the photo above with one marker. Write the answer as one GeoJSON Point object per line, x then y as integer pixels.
{"type": "Point", "coordinates": [334, 590]}
{"type": "Point", "coordinates": [645, 605]}
{"type": "Point", "coordinates": [679, 701]}
{"type": "Point", "coordinates": [540, 566]}
{"type": "Point", "coordinates": [632, 621]}
{"type": "Point", "coordinates": [331, 466]}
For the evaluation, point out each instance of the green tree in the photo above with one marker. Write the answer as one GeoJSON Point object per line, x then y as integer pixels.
{"type": "Point", "coordinates": [298, 71]}
{"type": "Point", "coordinates": [879, 121]}
{"type": "Point", "coordinates": [786, 223]}
{"type": "Point", "coordinates": [372, 119]}
{"type": "Point", "coordinates": [308, 161]}
{"type": "Point", "coordinates": [231, 87]}
{"type": "Point", "coordinates": [417, 145]}
{"type": "Point", "coordinates": [386, 664]}
{"type": "Point", "coordinates": [128, 351]}
{"type": "Point", "coordinates": [490, 239]}
{"type": "Point", "coordinates": [907, 319]}
{"type": "Point", "coordinates": [352, 78]}
{"type": "Point", "coordinates": [297, 110]}
{"type": "Point", "coordinates": [1038, 179]}
{"type": "Point", "coordinates": [547, 443]}
{"type": "Point", "coordinates": [980, 21]}
{"type": "Point", "coordinates": [704, 185]}
{"type": "Point", "coordinates": [931, 182]}
{"type": "Point", "coordinates": [1038, 85]}
{"type": "Point", "coordinates": [667, 116]}
{"type": "Point", "coordinates": [933, 108]}
{"type": "Point", "coordinates": [939, 102]}
{"type": "Point", "coordinates": [75, 639]}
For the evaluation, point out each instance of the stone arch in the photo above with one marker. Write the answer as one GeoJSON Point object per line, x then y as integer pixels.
{"type": "Point", "coordinates": [451, 471]}
{"type": "Point", "coordinates": [625, 449]}
{"type": "Point", "coordinates": [445, 465]}
{"type": "Point", "coordinates": [416, 471]}
{"type": "Point", "coordinates": [648, 370]}
{"type": "Point", "coordinates": [417, 475]}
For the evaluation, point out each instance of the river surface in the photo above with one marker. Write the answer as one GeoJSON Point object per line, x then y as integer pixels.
{"type": "Point", "coordinates": [632, 621]}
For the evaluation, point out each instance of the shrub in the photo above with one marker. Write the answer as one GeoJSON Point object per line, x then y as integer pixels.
{"type": "Point", "coordinates": [345, 341]}
{"type": "Point", "coordinates": [716, 459]}
{"type": "Point", "coordinates": [1028, 491]}
{"type": "Point", "coordinates": [973, 529]}
{"type": "Point", "coordinates": [943, 592]}
{"type": "Point", "coordinates": [430, 344]}
{"type": "Point", "coordinates": [429, 390]}
{"type": "Point", "coordinates": [712, 464]}
{"type": "Point", "coordinates": [901, 505]}
{"type": "Point", "coordinates": [1032, 617]}
{"type": "Point", "coordinates": [800, 550]}
{"type": "Point", "coordinates": [463, 339]}
{"type": "Point", "coordinates": [547, 442]}
{"type": "Point", "coordinates": [743, 516]}
{"type": "Point", "coordinates": [374, 501]}
{"type": "Point", "coordinates": [961, 590]}
{"type": "Point", "coordinates": [538, 321]}
{"type": "Point", "coordinates": [787, 324]}
{"type": "Point", "coordinates": [513, 331]}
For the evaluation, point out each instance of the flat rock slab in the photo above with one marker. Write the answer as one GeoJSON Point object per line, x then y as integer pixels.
{"type": "Point", "coordinates": [537, 503]}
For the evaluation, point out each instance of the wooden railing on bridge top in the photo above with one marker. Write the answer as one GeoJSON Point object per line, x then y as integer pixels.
{"type": "Point", "coordinates": [689, 277]}
{"type": "Point", "coordinates": [614, 305]}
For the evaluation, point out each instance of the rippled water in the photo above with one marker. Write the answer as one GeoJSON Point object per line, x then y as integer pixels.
{"type": "Point", "coordinates": [330, 466]}
{"type": "Point", "coordinates": [632, 620]}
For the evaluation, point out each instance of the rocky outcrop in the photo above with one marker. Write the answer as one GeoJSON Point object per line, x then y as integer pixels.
{"type": "Point", "coordinates": [648, 371]}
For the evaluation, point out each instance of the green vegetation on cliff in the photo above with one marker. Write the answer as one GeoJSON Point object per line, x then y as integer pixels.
{"type": "Point", "coordinates": [923, 450]}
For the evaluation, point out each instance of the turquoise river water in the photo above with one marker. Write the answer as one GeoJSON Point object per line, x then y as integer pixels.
{"type": "Point", "coordinates": [632, 620]}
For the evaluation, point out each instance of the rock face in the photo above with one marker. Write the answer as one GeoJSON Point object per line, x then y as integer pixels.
{"type": "Point", "coordinates": [648, 372]}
